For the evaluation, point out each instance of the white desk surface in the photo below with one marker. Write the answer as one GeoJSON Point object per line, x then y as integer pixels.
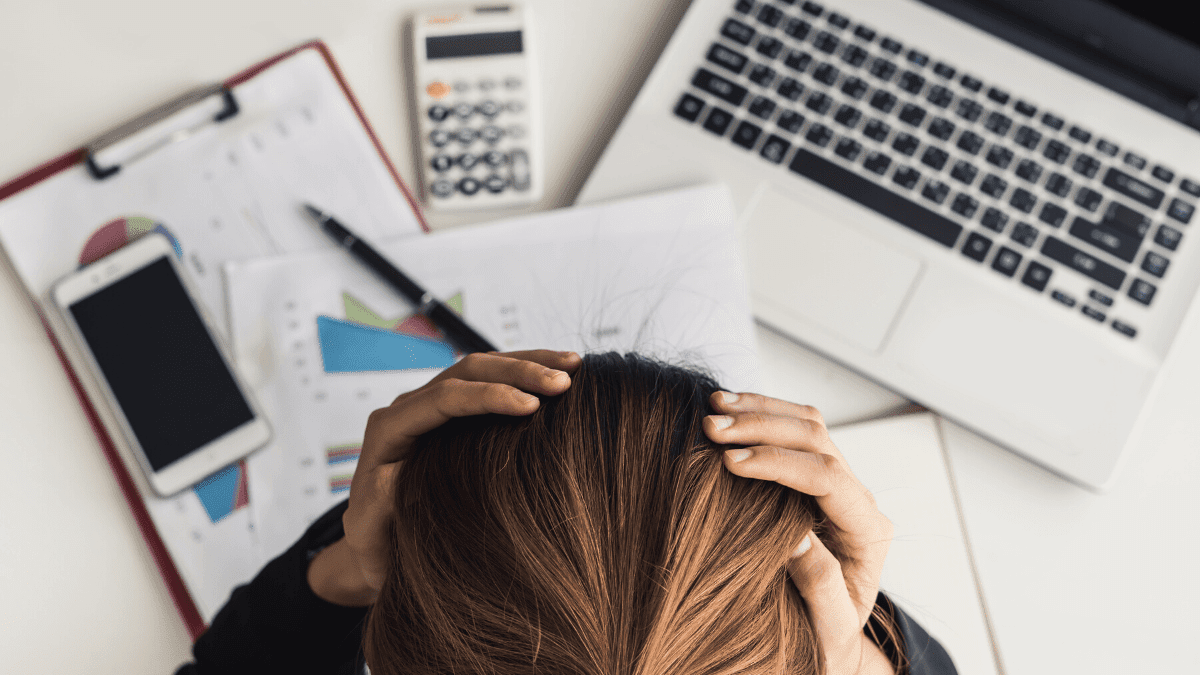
{"type": "Point", "coordinates": [1075, 582]}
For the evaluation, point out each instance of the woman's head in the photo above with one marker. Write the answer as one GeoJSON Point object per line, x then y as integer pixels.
{"type": "Point", "coordinates": [600, 535]}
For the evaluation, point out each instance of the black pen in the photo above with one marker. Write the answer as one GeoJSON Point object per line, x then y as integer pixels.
{"type": "Point", "coordinates": [463, 336]}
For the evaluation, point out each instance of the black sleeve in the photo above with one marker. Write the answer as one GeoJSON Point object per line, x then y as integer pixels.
{"type": "Point", "coordinates": [277, 624]}
{"type": "Point", "coordinates": [924, 654]}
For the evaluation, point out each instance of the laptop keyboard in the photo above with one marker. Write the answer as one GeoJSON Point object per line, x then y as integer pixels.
{"type": "Point", "coordinates": [969, 166]}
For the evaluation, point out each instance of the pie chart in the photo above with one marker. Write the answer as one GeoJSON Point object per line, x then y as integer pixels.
{"type": "Point", "coordinates": [116, 233]}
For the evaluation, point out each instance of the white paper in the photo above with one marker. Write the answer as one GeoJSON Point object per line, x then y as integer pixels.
{"type": "Point", "coordinates": [659, 275]}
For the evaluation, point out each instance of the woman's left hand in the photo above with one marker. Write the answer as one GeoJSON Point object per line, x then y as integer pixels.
{"type": "Point", "coordinates": [351, 571]}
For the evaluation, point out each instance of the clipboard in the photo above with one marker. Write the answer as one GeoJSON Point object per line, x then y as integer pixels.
{"type": "Point", "coordinates": [242, 141]}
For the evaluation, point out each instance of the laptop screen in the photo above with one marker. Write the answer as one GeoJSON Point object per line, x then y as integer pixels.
{"type": "Point", "coordinates": [1175, 18]}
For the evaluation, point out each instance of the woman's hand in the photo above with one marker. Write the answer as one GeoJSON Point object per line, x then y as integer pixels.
{"type": "Point", "coordinates": [351, 571]}
{"type": "Point", "coordinates": [789, 444]}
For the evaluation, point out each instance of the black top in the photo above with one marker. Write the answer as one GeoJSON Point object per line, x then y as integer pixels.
{"type": "Point", "coordinates": [277, 624]}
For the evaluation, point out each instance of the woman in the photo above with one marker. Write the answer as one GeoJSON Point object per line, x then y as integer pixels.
{"type": "Point", "coordinates": [596, 530]}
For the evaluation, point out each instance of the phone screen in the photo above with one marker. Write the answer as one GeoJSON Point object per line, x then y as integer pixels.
{"type": "Point", "coordinates": [161, 364]}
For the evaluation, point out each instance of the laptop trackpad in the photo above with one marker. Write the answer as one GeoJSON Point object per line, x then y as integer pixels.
{"type": "Point", "coordinates": [824, 271]}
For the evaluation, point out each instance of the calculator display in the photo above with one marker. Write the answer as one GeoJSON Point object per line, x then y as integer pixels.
{"type": "Point", "coordinates": [473, 44]}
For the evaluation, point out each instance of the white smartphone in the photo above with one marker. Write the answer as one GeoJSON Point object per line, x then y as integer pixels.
{"type": "Point", "coordinates": [478, 107]}
{"type": "Point", "coordinates": [174, 396]}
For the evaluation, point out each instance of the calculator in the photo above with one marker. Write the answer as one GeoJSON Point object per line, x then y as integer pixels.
{"type": "Point", "coordinates": [477, 107]}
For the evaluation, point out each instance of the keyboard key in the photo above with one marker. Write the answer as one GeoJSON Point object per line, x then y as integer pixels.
{"type": "Point", "coordinates": [812, 8]}
{"type": "Point", "coordinates": [1058, 184]}
{"type": "Point", "coordinates": [941, 128]}
{"type": "Point", "coordinates": [848, 116]}
{"type": "Point", "coordinates": [877, 130]}
{"type": "Point", "coordinates": [769, 15]}
{"type": "Point", "coordinates": [906, 143]}
{"type": "Point", "coordinates": [1133, 188]}
{"type": "Point", "coordinates": [837, 20]}
{"type": "Point", "coordinates": [1024, 234]}
{"type": "Point", "coordinates": [818, 103]}
{"type": "Point", "coordinates": [746, 134]}
{"type": "Point", "coordinates": [878, 198]}
{"type": "Point", "coordinates": [1088, 198]}
{"type": "Point", "coordinates": [964, 205]}
{"type": "Point", "coordinates": [826, 42]}
{"type": "Point", "coordinates": [1080, 135]}
{"type": "Point", "coordinates": [1029, 170]}
{"type": "Point", "coordinates": [717, 121]}
{"type": "Point", "coordinates": [737, 31]}
{"type": "Point", "coordinates": [935, 158]}
{"type": "Point", "coordinates": [970, 83]}
{"type": "Point", "coordinates": [1056, 151]}
{"type": "Point", "coordinates": [1142, 291]}
{"type": "Point", "coordinates": [1093, 313]}
{"type": "Point", "coordinates": [826, 73]}
{"type": "Point", "coordinates": [1101, 298]}
{"type": "Point", "coordinates": [1163, 173]}
{"type": "Point", "coordinates": [1027, 137]}
{"type": "Point", "coordinates": [944, 71]}
{"type": "Point", "coordinates": [819, 135]}
{"type": "Point", "coordinates": [1081, 262]}
{"type": "Point", "coordinates": [774, 149]}
{"type": "Point", "coordinates": [1121, 217]}
{"type": "Point", "coordinates": [1124, 328]}
{"type": "Point", "coordinates": [1065, 299]}
{"type": "Point", "coordinates": [1026, 109]}
{"type": "Point", "coordinates": [1053, 121]}
{"type": "Point", "coordinates": [1052, 214]}
{"type": "Point", "coordinates": [1086, 165]}
{"type": "Point", "coordinates": [968, 109]}
{"type": "Point", "coordinates": [917, 58]}
{"type": "Point", "coordinates": [998, 96]}
{"type": "Point", "coordinates": [762, 107]}
{"type": "Point", "coordinates": [1155, 264]}
{"type": "Point", "coordinates": [1119, 243]}
{"type": "Point", "coordinates": [797, 28]}
{"type": "Point", "coordinates": [1106, 148]}
{"type": "Point", "coordinates": [848, 149]}
{"type": "Point", "coordinates": [854, 87]}
{"type": "Point", "coordinates": [719, 87]}
{"type": "Point", "coordinates": [906, 177]}
{"type": "Point", "coordinates": [877, 163]}
{"type": "Point", "coordinates": [976, 246]}
{"type": "Point", "coordinates": [1022, 200]}
{"type": "Point", "coordinates": [993, 186]}
{"type": "Point", "coordinates": [790, 89]}
{"type": "Point", "coordinates": [1136, 161]}
{"type": "Point", "coordinates": [1189, 186]}
{"type": "Point", "coordinates": [769, 47]}
{"type": "Point", "coordinates": [998, 123]}
{"type": "Point", "coordinates": [939, 96]}
{"type": "Point", "coordinates": [727, 58]}
{"type": "Point", "coordinates": [912, 114]}
{"type": "Point", "coordinates": [743, 6]}
{"type": "Point", "coordinates": [1168, 237]}
{"type": "Point", "coordinates": [864, 33]}
{"type": "Point", "coordinates": [689, 107]}
{"type": "Point", "coordinates": [993, 219]}
{"type": "Point", "coordinates": [911, 82]}
{"type": "Point", "coordinates": [883, 101]}
{"type": "Point", "coordinates": [970, 142]}
{"type": "Point", "coordinates": [790, 121]}
{"type": "Point", "coordinates": [935, 191]}
{"type": "Point", "coordinates": [1181, 211]}
{"type": "Point", "coordinates": [1036, 276]}
{"type": "Point", "coordinates": [891, 46]}
{"type": "Point", "coordinates": [999, 156]}
{"type": "Point", "coordinates": [854, 55]}
{"type": "Point", "coordinates": [761, 75]}
{"type": "Point", "coordinates": [964, 172]}
{"type": "Point", "coordinates": [797, 60]}
{"type": "Point", "coordinates": [883, 69]}
{"type": "Point", "coordinates": [1007, 261]}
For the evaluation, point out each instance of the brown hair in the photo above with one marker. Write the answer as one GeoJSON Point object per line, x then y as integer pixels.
{"type": "Point", "coordinates": [601, 535]}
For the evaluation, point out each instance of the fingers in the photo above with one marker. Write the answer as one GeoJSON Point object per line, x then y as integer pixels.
{"type": "Point", "coordinates": [729, 402]}
{"type": "Point", "coordinates": [541, 371]}
{"type": "Point", "coordinates": [818, 577]}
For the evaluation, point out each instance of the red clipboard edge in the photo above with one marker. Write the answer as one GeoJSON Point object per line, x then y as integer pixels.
{"type": "Point", "coordinates": [177, 589]}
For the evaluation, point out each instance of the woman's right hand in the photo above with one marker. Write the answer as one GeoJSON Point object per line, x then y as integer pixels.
{"type": "Point", "coordinates": [789, 444]}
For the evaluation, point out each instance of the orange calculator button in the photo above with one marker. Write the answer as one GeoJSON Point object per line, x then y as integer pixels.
{"type": "Point", "coordinates": [437, 89]}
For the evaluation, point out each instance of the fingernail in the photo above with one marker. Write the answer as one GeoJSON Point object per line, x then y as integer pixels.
{"type": "Point", "coordinates": [522, 397]}
{"type": "Point", "coordinates": [727, 397]}
{"type": "Point", "coordinates": [552, 373]}
{"type": "Point", "coordinates": [721, 421]}
{"type": "Point", "coordinates": [805, 545]}
{"type": "Point", "coordinates": [739, 455]}
{"type": "Point", "coordinates": [568, 354]}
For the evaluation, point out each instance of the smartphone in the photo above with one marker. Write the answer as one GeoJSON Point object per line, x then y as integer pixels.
{"type": "Point", "coordinates": [145, 347]}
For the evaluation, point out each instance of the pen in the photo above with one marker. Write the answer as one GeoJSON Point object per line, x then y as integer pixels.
{"type": "Point", "coordinates": [462, 335]}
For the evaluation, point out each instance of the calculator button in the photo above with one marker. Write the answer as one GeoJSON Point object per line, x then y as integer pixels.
{"type": "Point", "coordinates": [439, 137]}
{"type": "Point", "coordinates": [461, 86]}
{"type": "Point", "coordinates": [466, 135]}
{"type": "Point", "coordinates": [437, 89]}
{"type": "Point", "coordinates": [441, 188]}
{"type": "Point", "coordinates": [438, 112]}
{"type": "Point", "coordinates": [514, 107]}
{"type": "Point", "coordinates": [442, 163]}
{"type": "Point", "coordinates": [486, 85]}
{"type": "Point", "coordinates": [467, 161]}
{"type": "Point", "coordinates": [494, 184]}
{"type": "Point", "coordinates": [491, 134]}
{"type": "Point", "coordinates": [494, 158]}
{"type": "Point", "coordinates": [512, 83]}
{"type": "Point", "coordinates": [463, 110]}
{"type": "Point", "coordinates": [519, 169]}
{"type": "Point", "coordinates": [468, 186]}
{"type": "Point", "coordinates": [489, 109]}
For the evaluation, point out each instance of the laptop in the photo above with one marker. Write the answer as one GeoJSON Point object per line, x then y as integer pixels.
{"type": "Point", "coordinates": [982, 204]}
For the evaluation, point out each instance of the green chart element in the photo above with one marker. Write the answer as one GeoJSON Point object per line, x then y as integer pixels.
{"type": "Point", "coordinates": [417, 325]}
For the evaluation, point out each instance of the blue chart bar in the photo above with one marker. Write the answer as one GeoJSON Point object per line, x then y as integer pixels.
{"type": "Point", "coordinates": [353, 348]}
